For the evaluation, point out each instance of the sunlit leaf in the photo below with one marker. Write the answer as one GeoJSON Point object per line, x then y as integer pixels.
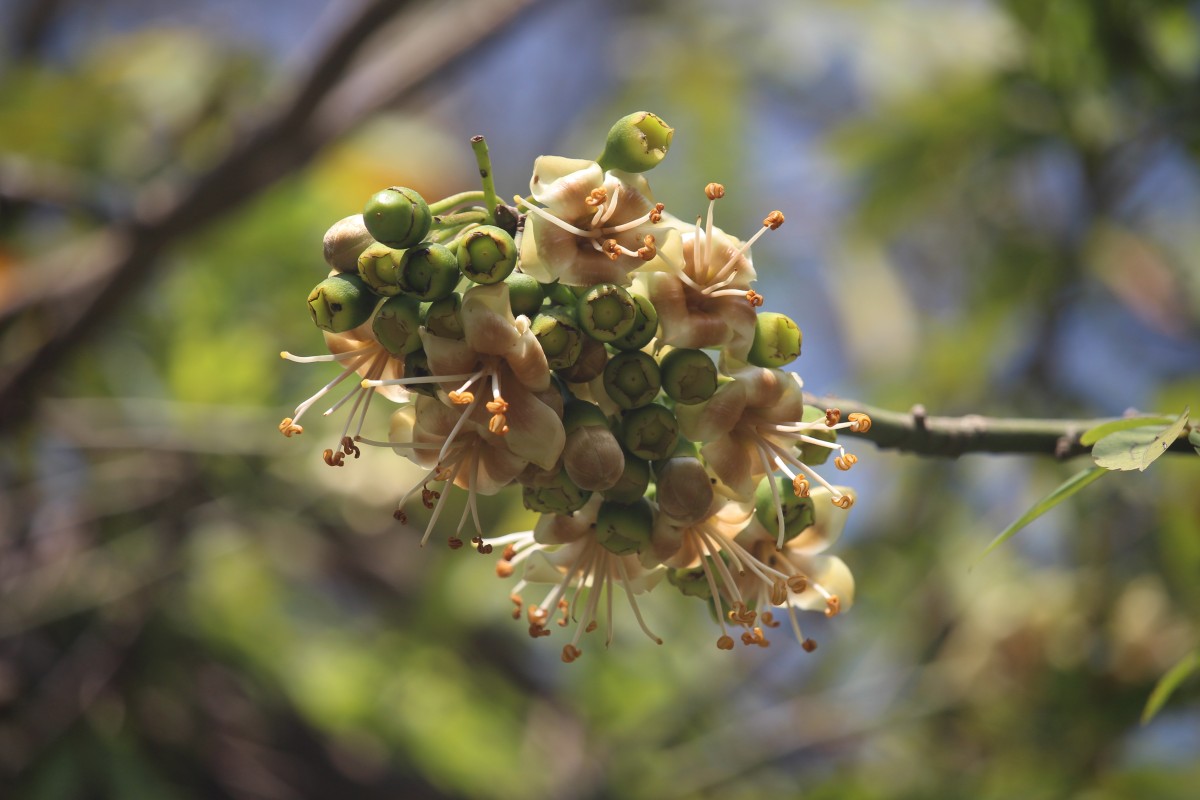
{"type": "Point", "coordinates": [1067, 488]}
{"type": "Point", "coordinates": [1137, 448]}
{"type": "Point", "coordinates": [1093, 435]}
{"type": "Point", "coordinates": [1168, 683]}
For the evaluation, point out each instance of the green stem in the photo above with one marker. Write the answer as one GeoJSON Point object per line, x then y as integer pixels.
{"type": "Point", "coordinates": [455, 200]}
{"type": "Point", "coordinates": [461, 218]}
{"type": "Point", "coordinates": [917, 432]}
{"type": "Point", "coordinates": [479, 145]}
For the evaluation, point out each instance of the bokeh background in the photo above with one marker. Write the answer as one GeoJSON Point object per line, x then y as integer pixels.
{"type": "Point", "coordinates": [991, 209]}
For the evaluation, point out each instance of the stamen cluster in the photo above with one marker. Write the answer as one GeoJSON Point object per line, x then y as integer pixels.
{"type": "Point", "coordinates": [608, 358]}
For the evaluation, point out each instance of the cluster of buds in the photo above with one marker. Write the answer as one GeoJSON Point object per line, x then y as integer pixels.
{"type": "Point", "coordinates": [609, 359]}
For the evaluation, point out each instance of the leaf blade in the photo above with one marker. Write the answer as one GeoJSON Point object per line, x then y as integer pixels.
{"type": "Point", "coordinates": [1137, 448]}
{"type": "Point", "coordinates": [1168, 683]}
{"type": "Point", "coordinates": [1064, 490]}
{"type": "Point", "coordinates": [1093, 435]}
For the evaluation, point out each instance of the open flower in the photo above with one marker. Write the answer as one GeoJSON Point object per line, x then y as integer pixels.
{"type": "Point", "coordinates": [588, 226]}
{"type": "Point", "coordinates": [564, 551]}
{"type": "Point", "coordinates": [752, 426]}
{"type": "Point", "coordinates": [705, 299]}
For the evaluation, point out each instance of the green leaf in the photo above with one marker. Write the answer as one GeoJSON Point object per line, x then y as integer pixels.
{"type": "Point", "coordinates": [1137, 448]}
{"type": "Point", "coordinates": [1093, 435]}
{"type": "Point", "coordinates": [1169, 683]}
{"type": "Point", "coordinates": [1067, 488]}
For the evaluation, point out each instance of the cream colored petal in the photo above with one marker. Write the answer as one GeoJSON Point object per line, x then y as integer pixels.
{"type": "Point", "coordinates": [488, 324]}
{"type": "Point", "coordinates": [735, 463]}
{"type": "Point", "coordinates": [564, 528]}
{"type": "Point", "coordinates": [449, 357]}
{"type": "Point", "coordinates": [498, 467]}
{"type": "Point", "coordinates": [560, 182]}
{"type": "Point", "coordinates": [535, 431]}
{"type": "Point", "coordinates": [716, 416]}
{"type": "Point", "coordinates": [831, 573]}
{"type": "Point", "coordinates": [828, 523]}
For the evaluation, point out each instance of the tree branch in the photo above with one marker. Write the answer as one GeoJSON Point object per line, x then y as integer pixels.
{"type": "Point", "coordinates": [917, 432]}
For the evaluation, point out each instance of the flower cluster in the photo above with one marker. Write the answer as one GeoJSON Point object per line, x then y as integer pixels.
{"type": "Point", "coordinates": [609, 359]}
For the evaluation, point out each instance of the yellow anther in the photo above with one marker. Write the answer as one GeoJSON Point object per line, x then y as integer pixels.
{"type": "Point", "coordinates": [498, 406]}
{"type": "Point", "coordinates": [832, 606]}
{"type": "Point", "coordinates": [754, 299]}
{"type": "Point", "coordinates": [350, 448]}
{"type": "Point", "coordinates": [596, 197]}
{"type": "Point", "coordinates": [289, 428]}
{"type": "Point", "coordinates": [833, 416]}
{"type": "Point", "coordinates": [755, 637]}
{"type": "Point", "coordinates": [859, 422]}
{"type": "Point", "coordinates": [334, 459]}
{"type": "Point", "coordinates": [400, 516]}
{"type": "Point", "coordinates": [647, 251]}
{"type": "Point", "coordinates": [518, 602]}
{"type": "Point", "coordinates": [779, 592]}
{"type": "Point", "coordinates": [455, 542]}
{"type": "Point", "coordinates": [714, 191]}
{"type": "Point", "coordinates": [591, 626]}
{"type": "Point", "coordinates": [801, 486]}
{"type": "Point", "coordinates": [741, 614]}
{"type": "Point", "coordinates": [565, 608]}
{"type": "Point", "coordinates": [570, 653]}
{"type": "Point", "coordinates": [843, 502]}
{"type": "Point", "coordinates": [769, 620]}
{"type": "Point", "coordinates": [505, 569]}
{"type": "Point", "coordinates": [797, 583]}
{"type": "Point", "coordinates": [725, 642]}
{"type": "Point", "coordinates": [656, 214]}
{"type": "Point", "coordinates": [845, 462]}
{"type": "Point", "coordinates": [538, 616]}
{"type": "Point", "coordinates": [809, 645]}
{"type": "Point", "coordinates": [498, 424]}
{"type": "Point", "coordinates": [462, 398]}
{"type": "Point", "coordinates": [612, 249]}
{"type": "Point", "coordinates": [537, 630]}
{"type": "Point", "coordinates": [480, 545]}
{"type": "Point", "coordinates": [773, 220]}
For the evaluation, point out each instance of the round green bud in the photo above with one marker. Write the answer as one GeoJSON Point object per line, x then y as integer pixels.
{"type": "Point", "coordinates": [636, 143]}
{"type": "Point", "coordinates": [428, 271]}
{"type": "Point", "coordinates": [691, 582]}
{"type": "Point", "coordinates": [341, 302]}
{"type": "Point", "coordinates": [344, 240]}
{"type": "Point", "coordinates": [776, 340]}
{"type": "Point", "coordinates": [590, 364]}
{"type": "Point", "coordinates": [525, 295]}
{"type": "Point", "coordinates": [606, 312]}
{"type": "Point", "coordinates": [580, 414]}
{"type": "Point", "coordinates": [634, 480]}
{"type": "Point", "coordinates": [487, 254]}
{"type": "Point", "coordinates": [444, 318]}
{"type": "Point", "coordinates": [813, 454]}
{"type": "Point", "coordinates": [397, 323]}
{"type": "Point", "coordinates": [559, 294]}
{"type": "Point", "coordinates": [624, 529]}
{"type": "Point", "coordinates": [797, 511]}
{"type": "Point", "coordinates": [632, 379]}
{"type": "Point", "coordinates": [688, 376]}
{"type": "Point", "coordinates": [558, 333]}
{"type": "Point", "coordinates": [592, 456]}
{"type": "Point", "coordinates": [649, 432]}
{"type": "Point", "coordinates": [377, 265]}
{"type": "Point", "coordinates": [416, 365]}
{"type": "Point", "coordinates": [560, 496]}
{"type": "Point", "coordinates": [398, 217]}
{"type": "Point", "coordinates": [645, 326]}
{"type": "Point", "coordinates": [684, 489]}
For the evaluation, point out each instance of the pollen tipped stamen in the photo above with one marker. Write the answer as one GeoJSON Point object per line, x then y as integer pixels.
{"type": "Point", "coordinates": [637, 613]}
{"type": "Point", "coordinates": [346, 356]}
{"type": "Point", "coordinates": [546, 215]}
{"type": "Point", "coordinates": [370, 384]}
{"type": "Point", "coordinates": [832, 416]}
{"type": "Point", "coordinates": [845, 461]}
{"type": "Point", "coordinates": [289, 428]}
{"type": "Point", "coordinates": [859, 422]}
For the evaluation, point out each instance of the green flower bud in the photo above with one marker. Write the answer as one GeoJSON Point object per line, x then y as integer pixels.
{"type": "Point", "coordinates": [797, 511]}
{"type": "Point", "coordinates": [776, 341]}
{"type": "Point", "coordinates": [558, 334]}
{"type": "Point", "coordinates": [581, 414]}
{"type": "Point", "coordinates": [341, 302]}
{"type": "Point", "coordinates": [606, 312]}
{"type": "Point", "coordinates": [645, 326]}
{"type": "Point", "coordinates": [691, 582]}
{"type": "Point", "coordinates": [559, 294]}
{"type": "Point", "coordinates": [377, 266]}
{"type": "Point", "coordinates": [416, 365]}
{"type": "Point", "coordinates": [487, 254]}
{"type": "Point", "coordinates": [632, 379]}
{"type": "Point", "coordinates": [688, 376]}
{"type": "Point", "coordinates": [428, 271]}
{"type": "Point", "coordinates": [396, 325]}
{"type": "Point", "coordinates": [398, 217]}
{"type": "Point", "coordinates": [590, 364]}
{"type": "Point", "coordinates": [813, 454]}
{"type": "Point", "coordinates": [634, 481]}
{"type": "Point", "coordinates": [685, 489]}
{"type": "Point", "coordinates": [636, 143]}
{"type": "Point", "coordinates": [344, 240]}
{"type": "Point", "coordinates": [561, 496]}
{"type": "Point", "coordinates": [649, 432]}
{"type": "Point", "coordinates": [525, 295]}
{"type": "Point", "coordinates": [444, 318]}
{"type": "Point", "coordinates": [624, 529]}
{"type": "Point", "coordinates": [592, 456]}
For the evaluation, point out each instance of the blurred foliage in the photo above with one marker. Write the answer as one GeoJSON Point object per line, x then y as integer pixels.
{"type": "Point", "coordinates": [994, 213]}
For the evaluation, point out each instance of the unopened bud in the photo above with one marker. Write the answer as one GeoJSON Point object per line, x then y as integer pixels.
{"type": "Point", "coordinates": [444, 317]}
{"type": "Point", "coordinates": [590, 364]}
{"type": "Point", "coordinates": [428, 271]}
{"type": "Point", "coordinates": [684, 489]}
{"type": "Point", "coordinates": [557, 331]}
{"type": "Point", "coordinates": [688, 376]}
{"type": "Point", "coordinates": [645, 326]}
{"type": "Point", "coordinates": [606, 312]}
{"type": "Point", "coordinates": [525, 295]}
{"type": "Point", "coordinates": [416, 365]}
{"type": "Point", "coordinates": [624, 529]}
{"type": "Point", "coordinates": [798, 512]}
{"type": "Point", "coordinates": [559, 496]}
{"type": "Point", "coordinates": [397, 323]}
{"type": "Point", "coordinates": [341, 302]}
{"type": "Point", "coordinates": [636, 143]}
{"type": "Point", "coordinates": [377, 266]}
{"type": "Point", "coordinates": [632, 379]}
{"type": "Point", "coordinates": [398, 217]}
{"type": "Point", "coordinates": [487, 254]}
{"type": "Point", "coordinates": [649, 432]}
{"type": "Point", "coordinates": [344, 240]}
{"type": "Point", "coordinates": [776, 341]}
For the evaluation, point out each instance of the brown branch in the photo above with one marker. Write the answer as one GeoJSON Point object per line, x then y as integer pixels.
{"type": "Point", "coordinates": [56, 309]}
{"type": "Point", "coordinates": [917, 432]}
